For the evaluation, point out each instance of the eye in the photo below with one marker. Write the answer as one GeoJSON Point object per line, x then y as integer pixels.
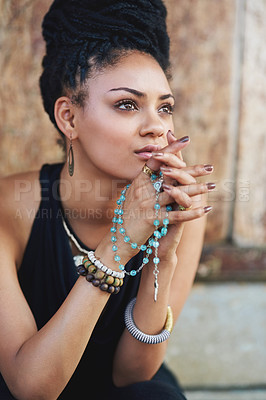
{"type": "Point", "coordinates": [126, 105]}
{"type": "Point", "coordinates": [167, 108]}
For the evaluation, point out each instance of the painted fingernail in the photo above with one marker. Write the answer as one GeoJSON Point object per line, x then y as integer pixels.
{"type": "Point", "coordinates": [183, 139]}
{"type": "Point", "coordinates": [207, 209]}
{"type": "Point", "coordinates": [156, 154]}
{"type": "Point", "coordinates": [208, 167]}
{"type": "Point", "coordinates": [210, 185]}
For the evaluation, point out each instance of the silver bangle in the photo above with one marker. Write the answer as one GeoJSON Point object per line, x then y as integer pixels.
{"type": "Point", "coordinates": [144, 337]}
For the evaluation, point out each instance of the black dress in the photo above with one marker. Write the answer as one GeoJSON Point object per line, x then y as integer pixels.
{"type": "Point", "coordinates": [46, 276]}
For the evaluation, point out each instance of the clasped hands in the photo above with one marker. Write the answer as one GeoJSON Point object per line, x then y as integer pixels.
{"type": "Point", "coordinates": [180, 188]}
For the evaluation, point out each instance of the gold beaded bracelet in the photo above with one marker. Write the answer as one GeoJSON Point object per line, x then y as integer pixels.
{"type": "Point", "coordinates": [98, 278]}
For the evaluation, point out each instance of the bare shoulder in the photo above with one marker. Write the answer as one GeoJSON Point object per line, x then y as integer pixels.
{"type": "Point", "coordinates": [19, 201]}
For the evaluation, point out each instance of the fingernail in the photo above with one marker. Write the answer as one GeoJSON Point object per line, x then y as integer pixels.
{"type": "Point", "coordinates": [208, 167]}
{"type": "Point", "coordinates": [166, 187]}
{"type": "Point", "coordinates": [155, 154]}
{"type": "Point", "coordinates": [210, 185]}
{"type": "Point", "coordinates": [183, 139]}
{"type": "Point", "coordinates": [207, 209]}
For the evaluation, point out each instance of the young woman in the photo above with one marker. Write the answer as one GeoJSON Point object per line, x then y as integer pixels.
{"type": "Point", "coordinates": [95, 250]}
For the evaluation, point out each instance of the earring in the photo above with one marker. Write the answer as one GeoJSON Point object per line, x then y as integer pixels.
{"type": "Point", "coordinates": [70, 158]}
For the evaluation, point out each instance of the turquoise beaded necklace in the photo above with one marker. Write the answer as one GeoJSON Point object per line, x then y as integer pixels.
{"type": "Point", "coordinates": [153, 242]}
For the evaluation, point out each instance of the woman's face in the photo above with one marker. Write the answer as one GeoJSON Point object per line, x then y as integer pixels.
{"type": "Point", "coordinates": [127, 113]}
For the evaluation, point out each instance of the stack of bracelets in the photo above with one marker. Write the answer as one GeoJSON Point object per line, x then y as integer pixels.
{"type": "Point", "coordinates": [99, 275]}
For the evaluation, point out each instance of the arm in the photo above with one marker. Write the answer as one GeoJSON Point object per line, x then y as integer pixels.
{"type": "Point", "coordinates": [38, 364]}
{"type": "Point", "coordinates": [180, 254]}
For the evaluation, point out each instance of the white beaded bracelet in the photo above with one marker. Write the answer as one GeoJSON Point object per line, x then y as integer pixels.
{"type": "Point", "coordinates": [144, 337]}
{"type": "Point", "coordinates": [102, 267]}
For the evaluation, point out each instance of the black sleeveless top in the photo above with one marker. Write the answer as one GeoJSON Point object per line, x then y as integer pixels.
{"type": "Point", "coordinates": [48, 273]}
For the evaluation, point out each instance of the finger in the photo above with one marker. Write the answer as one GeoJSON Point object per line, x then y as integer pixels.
{"type": "Point", "coordinates": [200, 188]}
{"type": "Point", "coordinates": [177, 195]}
{"type": "Point", "coordinates": [176, 144]}
{"type": "Point", "coordinates": [170, 137]}
{"type": "Point", "coordinates": [169, 159]}
{"type": "Point", "coordinates": [176, 217]}
{"type": "Point", "coordinates": [173, 148]}
{"type": "Point", "coordinates": [199, 170]}
{"type": "Point", "coordinates": [178, 175]}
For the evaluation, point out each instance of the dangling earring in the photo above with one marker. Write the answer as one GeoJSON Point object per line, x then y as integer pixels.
{"type": "Point", "coordinates": [70, 158]}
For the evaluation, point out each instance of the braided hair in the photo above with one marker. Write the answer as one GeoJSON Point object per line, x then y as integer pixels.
{"type": "Point", "coordinates": [85, 34]}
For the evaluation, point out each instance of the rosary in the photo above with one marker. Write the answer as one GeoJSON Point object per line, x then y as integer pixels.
{"type": "Point", "coordinates": [153, 242]}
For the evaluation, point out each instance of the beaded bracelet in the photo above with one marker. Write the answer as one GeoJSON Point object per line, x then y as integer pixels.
{"type": "Point", "coordinates": [144, 337]}
{"type": "Point", "coordinates": [98, 278]}
{"type": "Point", "coordinates": [102, 267]}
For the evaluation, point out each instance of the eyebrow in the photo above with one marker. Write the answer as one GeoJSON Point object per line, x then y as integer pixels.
{"type": "Point", "coordinates": [141, 94]}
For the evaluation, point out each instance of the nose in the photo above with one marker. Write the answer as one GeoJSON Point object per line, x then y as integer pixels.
{"type": "Point", "coordinates": [152, 125]}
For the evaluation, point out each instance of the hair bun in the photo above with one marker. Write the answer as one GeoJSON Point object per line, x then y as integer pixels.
{"type": "Point", "coordinates": [122, 23]}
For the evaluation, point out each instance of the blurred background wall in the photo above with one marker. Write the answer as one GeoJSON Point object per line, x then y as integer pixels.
{"type": "Point", "coordinates": [219, 80]}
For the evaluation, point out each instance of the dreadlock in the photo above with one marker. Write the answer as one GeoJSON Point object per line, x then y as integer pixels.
{"type": "Point", "coordinates": [82, 34]}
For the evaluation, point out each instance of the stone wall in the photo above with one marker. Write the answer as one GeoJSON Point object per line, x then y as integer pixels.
{"type": "Point", "coordinates": [218, 61]}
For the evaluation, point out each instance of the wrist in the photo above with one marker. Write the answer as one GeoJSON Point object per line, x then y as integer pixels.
{"type": "Point", "coordinates": [105, 253]}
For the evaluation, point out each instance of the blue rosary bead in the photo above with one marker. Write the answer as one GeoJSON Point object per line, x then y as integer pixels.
{"type": "Point", "coordinates": [149, 251]}
{"type": "Point", "coordinates": [157, 206]}
{"type": "Point", "coordinates": [126, 239]}
{"type": "Point", "coordinates": [113, 239]}
{"type": "Point", "coordinates": [122, 198]}
{"type": "Point", "coordinates": [114, 220]}
{"type": "Point", "coordinates": [114, 247]}
{"type": "Point", "coordinates": [164, 231]}
{"type": "Point", "coordinates": [143, 247]}
{"type": "Point", "coordinates": [116, 211]}
{"type": "Point", "coordinates": [166, 221]}
{"type": "Point", "coordinates": [156, 260]}
{"type": "Point", "coordinates": [145, 260]}
{"type": "Point", "coordinates": [122, 231]}
{"type": "Point", "coordinates": [134, 245]}
{"type": "Point", "coordinates": [133, 272]}
{"type": "Point", "coordinates": [156, 222]}
{"type": "Point", "coordinates": [121, 267]}
{"type": "Point", "coordinates": [156, 244]}
{"type": "Point", "coordinates": [151, 241]}
{"type": "Point", "coordinates": [157, 234]}
{"type": "Point", "coordinates": [113, 229]}
{"type": "Point", "coordinates": [117, 257]}
{"type": "Point", "coordinates": [169, 208]}
{"type": "Point", "coordinates": [120, 221]}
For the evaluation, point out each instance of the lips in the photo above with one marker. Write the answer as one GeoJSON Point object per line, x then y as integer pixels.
{"type": "Point", "coordinates": [146, 152]}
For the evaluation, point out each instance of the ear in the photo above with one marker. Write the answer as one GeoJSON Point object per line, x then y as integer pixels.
{"type": "Point", "coordinates": [64, 112]}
